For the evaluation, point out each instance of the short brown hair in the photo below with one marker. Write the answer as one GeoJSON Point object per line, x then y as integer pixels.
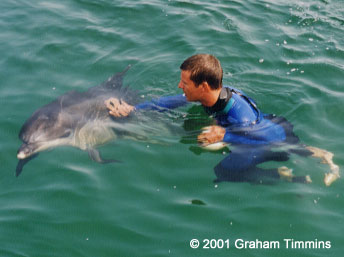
{"type": "Point", "coordinates": [204, 68]}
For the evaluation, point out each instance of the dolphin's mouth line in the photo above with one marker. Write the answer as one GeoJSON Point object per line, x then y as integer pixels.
{"type": "Point", "coordinates": [28, 149]}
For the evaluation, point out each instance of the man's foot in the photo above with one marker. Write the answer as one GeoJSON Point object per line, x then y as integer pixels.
{"type": "Point", "coordinates": [326, 158]}
{"type": "Point", "coordinates": [308, 179]}
{"type": "Point", "coordinates": [285, 173]}
{"type": "Point", "coordinates": [330, 178]}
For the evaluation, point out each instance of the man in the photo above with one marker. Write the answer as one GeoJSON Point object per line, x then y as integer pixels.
{"type": "Point", "coordinates": [239, 121]}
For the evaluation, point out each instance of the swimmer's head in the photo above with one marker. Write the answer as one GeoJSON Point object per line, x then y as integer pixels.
{"type": "Point", "coordinates": [204, 68]}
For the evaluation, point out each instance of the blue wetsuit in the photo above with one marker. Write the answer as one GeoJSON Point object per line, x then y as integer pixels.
{"type": "Point", "coordinates": [252, 132]}
{"type": "Point", "coordinates": [236, 112]}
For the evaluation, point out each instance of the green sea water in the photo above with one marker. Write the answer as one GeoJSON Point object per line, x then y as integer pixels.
{"type": "Point", "coordinates": [287, 55]}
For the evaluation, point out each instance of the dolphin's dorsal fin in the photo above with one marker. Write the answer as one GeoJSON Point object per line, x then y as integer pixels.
{"type": "Point", "coordinates": [116, 81]}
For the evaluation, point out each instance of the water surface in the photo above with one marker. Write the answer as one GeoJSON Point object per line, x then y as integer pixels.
{"type": "Point", "coordinates": [288, 56]}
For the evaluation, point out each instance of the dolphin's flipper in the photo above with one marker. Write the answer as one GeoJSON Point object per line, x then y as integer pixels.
{"type": "Point", "coordinates": [95, 156]}
{"type": "Point", "coordinates": [22, 162]}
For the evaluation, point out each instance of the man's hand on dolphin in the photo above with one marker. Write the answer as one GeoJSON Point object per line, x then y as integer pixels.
{"type": "Point", "coordinates": [118, 107]}
{"type": "Point", "coordinates": [211, 134]}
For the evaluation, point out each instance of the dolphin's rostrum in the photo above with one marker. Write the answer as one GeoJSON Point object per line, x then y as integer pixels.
{"type": "Point", "coordinates": [78, 119]}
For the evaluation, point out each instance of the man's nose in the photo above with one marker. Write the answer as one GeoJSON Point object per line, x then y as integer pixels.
{"type": "Point", "coordinates": [180, 85]}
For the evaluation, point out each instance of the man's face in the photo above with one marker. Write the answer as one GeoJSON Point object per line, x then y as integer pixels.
{"type": "Point", "coordinates": [191, 92]}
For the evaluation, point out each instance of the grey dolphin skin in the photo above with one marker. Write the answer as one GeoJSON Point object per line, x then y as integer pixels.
{"type": "Point", "coordinates": [78, 119]}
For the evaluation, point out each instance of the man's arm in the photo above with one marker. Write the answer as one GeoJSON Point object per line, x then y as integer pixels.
{"type": "Point", "coordinates": [119, 108]}
{"type": "Point", "coordinates": [164, 102]}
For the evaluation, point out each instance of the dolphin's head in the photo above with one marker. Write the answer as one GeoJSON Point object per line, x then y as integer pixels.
{"type": "Point", "coordinates": [41, 132]}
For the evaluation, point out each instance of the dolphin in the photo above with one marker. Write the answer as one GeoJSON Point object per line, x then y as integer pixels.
{"type": "Point", "coordinates": [78, 119]}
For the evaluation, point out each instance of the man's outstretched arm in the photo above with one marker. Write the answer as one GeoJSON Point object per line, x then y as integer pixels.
{"type": "Point", "coordinates": [119, 108]}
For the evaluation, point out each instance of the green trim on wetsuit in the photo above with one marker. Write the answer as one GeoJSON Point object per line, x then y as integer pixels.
{"type": "Point", "coordinates": [228, 107]}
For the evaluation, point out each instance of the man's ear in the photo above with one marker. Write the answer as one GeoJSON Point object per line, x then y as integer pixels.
{"type": "Point", "coordinates": [205, 86]}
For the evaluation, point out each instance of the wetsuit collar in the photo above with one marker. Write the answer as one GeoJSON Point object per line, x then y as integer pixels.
{"type": "Point", "coordinates": [221, 103]}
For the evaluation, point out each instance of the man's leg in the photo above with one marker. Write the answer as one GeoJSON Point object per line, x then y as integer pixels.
{"type": "Point", "coordinates": [241, 165]}
{"type": "Point", "coordinates": [287, 174]}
